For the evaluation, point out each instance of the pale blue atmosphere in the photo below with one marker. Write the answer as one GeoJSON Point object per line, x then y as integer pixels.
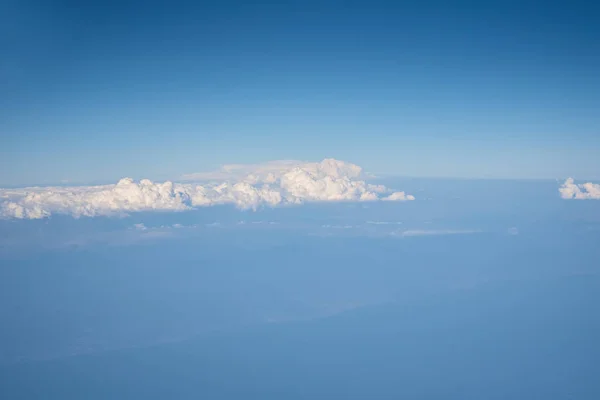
{"type": "Point", "coordinates": [95, 91]}
{"type": "Point", "coordinates": [299, 200]}
{"type": "Point", "coordinates": [487, 290]}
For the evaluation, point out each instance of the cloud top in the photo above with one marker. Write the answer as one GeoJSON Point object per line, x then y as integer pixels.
{"type": "Point", "coordinates": [245, 186]}
{"type": "Point", "coordinates": [584, 191]}
{"type": "Point", "coordinates": [268, 172]}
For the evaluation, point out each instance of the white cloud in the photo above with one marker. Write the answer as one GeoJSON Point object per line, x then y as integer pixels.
{"type": "Point", "coordinates": [246, 186]}
{"type": "Point", "coordinates": [399, 196]}
{"type": "Point", "coordinates": [584, 191]}
{"type": "Point", "coordinates": [270, 171]}
{"type": "Point", "coordinates": [239, 172]}
{"type": "Point", "coordinates": [140, 227]}
{"type": "Point", "coordinates": [410, 233]}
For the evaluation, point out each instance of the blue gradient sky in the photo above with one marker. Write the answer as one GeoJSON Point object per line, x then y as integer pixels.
{"type": "Point", "coordinates": [93, 91]}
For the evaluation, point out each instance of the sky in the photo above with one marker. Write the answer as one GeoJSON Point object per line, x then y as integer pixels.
{"type": "Point", "coordinates": [99, 90]}
{"type": "Point", "coordinates": [456, 295]}
{"type": "Point", "coordinates": [267, 199]}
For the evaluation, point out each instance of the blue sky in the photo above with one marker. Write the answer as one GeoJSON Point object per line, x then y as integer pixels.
{"type": "Point", "coordinates": [95, 91]}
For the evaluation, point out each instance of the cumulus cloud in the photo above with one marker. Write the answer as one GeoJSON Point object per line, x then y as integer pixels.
{"type": "Point", "coordinates": [399, 196]}
{"type": "Point", "coordinates": [270, 171]}
{"type": "Point", "coordinates": [238, 172]}
{"type": "Point", "coordinates": [584, 191]}
{"type": "Point", "coordinates": [247, 187]}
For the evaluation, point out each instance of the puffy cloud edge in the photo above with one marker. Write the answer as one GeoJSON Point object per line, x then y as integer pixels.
{"type": "Point", "coordinates": [570, 190]}
{"type": "Point", "coordinates": [272, 184]}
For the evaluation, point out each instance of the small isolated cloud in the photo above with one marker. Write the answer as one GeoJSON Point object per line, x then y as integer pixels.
{"type": "Point", "coordinates": [246, 187]}
{"type": "Point", "coordinates": [424, 232]}
{"type": "Point", "coordinates": [398, 196]}
{"type": "Point", "coordinates": [583, 191]}
{"type": "Point", "coordinates": [337, 226]}
{"type": "Point", "coordinates": [140, 227]}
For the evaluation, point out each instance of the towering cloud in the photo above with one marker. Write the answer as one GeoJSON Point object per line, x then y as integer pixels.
{"type": "Point", "coordinates": [571, 190]}
{"type": "Point", "coordinates": [245, 186]}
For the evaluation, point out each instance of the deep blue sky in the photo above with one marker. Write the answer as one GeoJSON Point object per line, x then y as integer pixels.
{"type": "Point", "coordinates": [97, 90]}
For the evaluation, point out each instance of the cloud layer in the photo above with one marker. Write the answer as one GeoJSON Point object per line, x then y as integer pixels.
{"type": "Point", "coordinates": [584, 191]}
{"type": "Point", "coordinates": [245, 186]}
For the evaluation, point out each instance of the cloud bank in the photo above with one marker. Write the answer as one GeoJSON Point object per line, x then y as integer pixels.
{"type": "Point", "coordinates": [584, 191]}
{"type": "Point", "coordinates": [245, 186]}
